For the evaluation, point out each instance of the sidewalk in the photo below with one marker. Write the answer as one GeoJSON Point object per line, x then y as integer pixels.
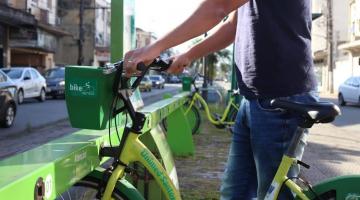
{"type": "Point", "coordinates": [331, 151]}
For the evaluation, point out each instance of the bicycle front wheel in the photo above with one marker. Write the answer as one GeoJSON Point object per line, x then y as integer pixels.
{"type": "Point", "coordinates": [87, 189]}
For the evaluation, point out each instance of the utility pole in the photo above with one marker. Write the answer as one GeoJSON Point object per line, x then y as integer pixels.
{"type": "Point", "coordinates": [205, 83]}
{"type": "Point", "coordinates": [330, 47]}
{"type": "Point", "coordinates": [81, 34]}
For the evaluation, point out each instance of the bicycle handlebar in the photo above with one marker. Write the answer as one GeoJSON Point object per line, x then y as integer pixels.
{"type": "Point", "coordinates": [122, 88]}
{"type": "Point", "coordinates": [121, 82]}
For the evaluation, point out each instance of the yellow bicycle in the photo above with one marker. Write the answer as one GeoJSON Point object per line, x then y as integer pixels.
{"type": "Point", "coordinates": [196, 101]}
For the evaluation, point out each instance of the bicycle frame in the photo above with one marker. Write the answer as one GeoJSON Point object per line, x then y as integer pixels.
{"type": "Point", "coordinates": [281, 178]}
{"type": "Point", "coordinates": [197, 97]}
{"type": "Point", "coordinates": [135, 151]}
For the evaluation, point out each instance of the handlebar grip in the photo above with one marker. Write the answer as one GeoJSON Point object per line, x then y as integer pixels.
{"type": "Point", "coordinates": [160, 65]}
{"type": "Point", "coordinates": [141, 67]}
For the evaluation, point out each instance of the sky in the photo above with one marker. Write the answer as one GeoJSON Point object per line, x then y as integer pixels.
{"type": "Point", "coordinates": [160, 16]}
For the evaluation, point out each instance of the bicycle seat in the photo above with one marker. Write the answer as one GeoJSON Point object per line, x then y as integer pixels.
{"type": "Point", "coordinates": [318, 112]}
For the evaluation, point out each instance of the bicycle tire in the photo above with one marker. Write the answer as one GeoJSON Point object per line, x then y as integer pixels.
{"type": "Point", "coordinates": [87, 188]}
{"type": "Point", "coordinates": [338, 188]}
{"type": "Point", "coordinates": [193, 117]}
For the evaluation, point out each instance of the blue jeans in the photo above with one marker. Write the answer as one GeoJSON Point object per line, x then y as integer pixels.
{"type": "Point", "coordinates": [261, 135]}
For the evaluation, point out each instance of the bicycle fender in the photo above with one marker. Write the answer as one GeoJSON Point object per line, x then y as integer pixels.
{"type": "Point", "coordinates": [122, 185]}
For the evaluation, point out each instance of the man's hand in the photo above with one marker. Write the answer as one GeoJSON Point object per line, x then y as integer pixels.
{"type": "Point", "coordinates": [179, 63]}
{"type": "Point", "coordinates": [134, 57]}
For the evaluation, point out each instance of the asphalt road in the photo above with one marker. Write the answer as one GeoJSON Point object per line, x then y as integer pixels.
{"type": "Point", "coordinates": [33, 114]}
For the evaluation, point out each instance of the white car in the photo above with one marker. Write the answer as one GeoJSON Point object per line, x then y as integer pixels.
{"type": "Point", "coordinates": [29, 82]}
{"type": "Point", "coordinates": [349, 91]}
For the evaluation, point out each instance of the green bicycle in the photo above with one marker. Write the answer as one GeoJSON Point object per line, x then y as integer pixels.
{"type": "Point", "coordinates": [196, 101]}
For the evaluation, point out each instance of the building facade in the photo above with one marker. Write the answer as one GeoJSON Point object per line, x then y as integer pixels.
{"type": "Point", "coordinates": [321, 43]}
{"type": "Point", "coordinates": [30, 37]}
{"type": "Point", "coordinates": [346, 41]}
{"type": "Point", "coordinates": [352, 47]}
{"type": "Point", "coordinates": [90, 43]}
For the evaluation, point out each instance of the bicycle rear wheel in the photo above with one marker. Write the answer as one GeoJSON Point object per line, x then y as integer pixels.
{"type": "Point", "coordinates": [339, 188]}
{"type": "Point", "coordinates": [87, 189]}
{"type": "Point", "coordinates": [193, 117]}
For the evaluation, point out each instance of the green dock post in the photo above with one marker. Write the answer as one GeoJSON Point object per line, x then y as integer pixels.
{"type": "Point", "coordinates": [179, 134]}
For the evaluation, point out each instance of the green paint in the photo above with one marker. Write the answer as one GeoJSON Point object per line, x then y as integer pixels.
{"type": "Point", "coordinates": [347, 187]}
{"type": "Point", "coordinates": [158, 172]}
{"type": "Point", "coordinates": [89, 96]}
{"type": "Point", "coordinates": [179, 134]}
{"type": "Point", "coordinates": [117, 30]}
{"type": "Point", "coordinates": [66, 160]}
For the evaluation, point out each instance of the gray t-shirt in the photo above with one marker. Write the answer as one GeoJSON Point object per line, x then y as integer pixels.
{"type": "Point", "coordinates": [273, 48]}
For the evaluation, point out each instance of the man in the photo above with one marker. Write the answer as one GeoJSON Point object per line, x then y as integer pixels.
{"type": "Point", "coordinates": [273, 57]}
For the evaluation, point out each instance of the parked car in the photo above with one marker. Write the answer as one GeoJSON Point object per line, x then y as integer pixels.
{"type": "Point", "coordinates": [7, 101]}
{"type": "Point", "coordinates": [349, 91]}
{"type": "Point", "coordinates": [145, 84]}
{"type": "Point", "coordinates": [29, 82]}
{"type": "Point", "coordinates": [157, 81]}
{"type": "Point", "coordinates": [174, 79]}
{"type": "Point", "coordinates": [55, 82]}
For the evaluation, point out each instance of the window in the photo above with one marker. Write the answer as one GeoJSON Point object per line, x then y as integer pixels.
{"type": "Point", "coordinates": [34, 74]}
{"type": "Point", "coordinates": [27, 75]}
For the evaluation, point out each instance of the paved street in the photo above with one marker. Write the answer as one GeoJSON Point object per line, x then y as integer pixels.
{"type": "Point", "coordinates": [33, 114]}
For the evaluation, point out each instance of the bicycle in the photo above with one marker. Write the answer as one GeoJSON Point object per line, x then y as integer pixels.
{"type": "Point", "coordinates": [196, 101]}
{"type": "Point", "coordinates": [105, 184]}
{"type": "Point", "coordinates": [344, 187]}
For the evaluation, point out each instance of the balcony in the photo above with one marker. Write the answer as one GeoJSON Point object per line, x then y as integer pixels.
{"type": "Point", "coordinates": [34, 39]}
{"type": "Point", "coordinates": [15, 17]}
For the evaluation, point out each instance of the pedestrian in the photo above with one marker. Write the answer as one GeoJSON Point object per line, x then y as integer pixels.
{"type": "Point", "coordinates": [273, 57]}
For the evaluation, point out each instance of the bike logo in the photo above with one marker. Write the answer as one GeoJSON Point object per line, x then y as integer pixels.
{"type": "Point", "coordinates": [83, 88]}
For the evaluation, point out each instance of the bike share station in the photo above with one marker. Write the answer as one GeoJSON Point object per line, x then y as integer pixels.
{"type": "Point", "coordinates": [92, 96]}
{"type": "Point", "coordinates": [49, 170]}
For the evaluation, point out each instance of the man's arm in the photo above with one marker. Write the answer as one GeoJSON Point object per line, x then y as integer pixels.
{"type": "Point", "coordinates": [220, 39]}
{"type": "Point", "coordinates": [206, 16]}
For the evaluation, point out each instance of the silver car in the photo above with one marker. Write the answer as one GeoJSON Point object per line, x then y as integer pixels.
{"type": "Point", "coordinates": [29, 82]}
{"type": "Point", "coordinates": [349, 91]}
